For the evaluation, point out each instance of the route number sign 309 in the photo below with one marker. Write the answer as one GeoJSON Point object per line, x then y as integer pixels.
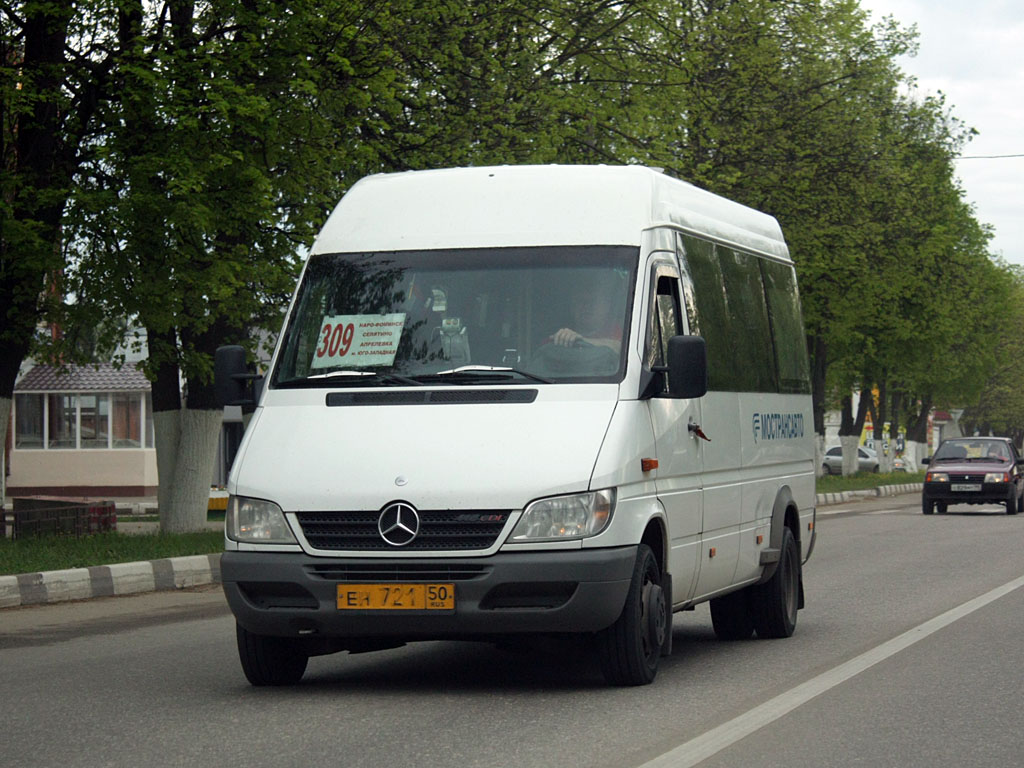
{"type": "Point", "coordinates": [357, 341]}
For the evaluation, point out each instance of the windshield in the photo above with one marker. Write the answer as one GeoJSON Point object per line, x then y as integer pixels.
{"type": "Point", "coordinates": [503, 315]}
{"type": "Point", "coordinates": [968, 450]}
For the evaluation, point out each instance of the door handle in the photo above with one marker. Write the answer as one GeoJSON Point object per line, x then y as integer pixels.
{"type": "Point", "coordinates": [695, 429]}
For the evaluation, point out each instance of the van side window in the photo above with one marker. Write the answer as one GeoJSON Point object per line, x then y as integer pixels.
{"type": "Point", "coordinates": [754, 363]}
{"type": "Point", "coordinates": [787, 327]}
{"type": "Point", "coordinates": [665, 317]}
{"type": "Point", "coordinates": [731, 315]}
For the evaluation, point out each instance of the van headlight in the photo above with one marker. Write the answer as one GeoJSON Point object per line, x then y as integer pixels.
{"type": "Point", "coordinates": [566, 517]}
{"type": "Point", "coordinates": [256, 521]}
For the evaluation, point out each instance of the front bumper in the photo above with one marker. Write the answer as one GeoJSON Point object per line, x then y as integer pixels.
{"type": "Point", "coordinates": [990, 493]}
{"type": "Point", "coordinates": [293, 594]}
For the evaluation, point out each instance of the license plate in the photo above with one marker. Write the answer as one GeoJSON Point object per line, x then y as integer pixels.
{"type": "Point", "coordinates": [969, 487]}
{"type": "Point", "coordinates": [396, 597]}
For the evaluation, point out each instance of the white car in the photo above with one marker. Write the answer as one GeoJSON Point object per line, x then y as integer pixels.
{"type": "Point", "coordinates": [867, 460]}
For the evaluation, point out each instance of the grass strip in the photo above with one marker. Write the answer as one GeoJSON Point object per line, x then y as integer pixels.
{"type": "Point", "coordinates": [865, 480]}
{"type": "Point", "coordinates": [54, 553]}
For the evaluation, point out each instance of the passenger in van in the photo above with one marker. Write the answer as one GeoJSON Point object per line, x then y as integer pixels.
{"type": "Point", "coordinates": [593, 321]}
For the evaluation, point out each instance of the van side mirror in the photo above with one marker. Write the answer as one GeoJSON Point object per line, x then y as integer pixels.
{"type": "Point", "coordinates": [926, 460]}
{"type": "Point", "coordinates": [687, 367]}
{"type": "Point", "coordinates": [233, 381]}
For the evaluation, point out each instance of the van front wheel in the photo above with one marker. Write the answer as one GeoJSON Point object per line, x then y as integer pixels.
{"type": "Point", "coordinates": [270, 660]}
{"type": "Point", "coordinates": [630, 648]}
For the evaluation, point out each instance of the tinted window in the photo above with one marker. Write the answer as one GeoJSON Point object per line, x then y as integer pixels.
{"type": "Point", "coordinates": [731, 314]}
{"type": "Point", "coordinates": [787, 327]}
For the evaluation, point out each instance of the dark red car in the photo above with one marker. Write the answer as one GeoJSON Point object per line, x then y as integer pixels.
{"type": "Point", "coordinates": [974, 470]}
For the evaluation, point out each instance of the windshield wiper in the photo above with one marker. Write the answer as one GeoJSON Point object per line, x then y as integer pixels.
{"type": "Point", "coordinates": [357, 378]}
{"type": "Point", "coordinates": [481, 371]}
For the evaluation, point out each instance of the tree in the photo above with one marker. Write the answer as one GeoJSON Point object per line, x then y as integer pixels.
{"type": "Point", "coordinates": [222, 162]}
{"type": "Point", "coordinates": [54, 75]}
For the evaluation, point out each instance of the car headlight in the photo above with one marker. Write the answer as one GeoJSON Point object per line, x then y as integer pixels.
{"type": "Point", "coordinates": [996, 477]}
{"type": "Point", "coordinates": [566, 517]}
{"type": "Point", "coordinates": [936, 477]}
{"type": "Point", "coordinates": [256, 521]}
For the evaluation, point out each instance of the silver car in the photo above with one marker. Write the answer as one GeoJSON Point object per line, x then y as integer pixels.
{"type": "Point", "coordinates": [867, 460]}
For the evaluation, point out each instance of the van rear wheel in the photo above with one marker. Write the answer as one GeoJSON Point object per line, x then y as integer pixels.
{"type": "Point", "coordinates": [270, 660]}
{"type": "Point", "coordinates": [631, 647]}
{"type": "Point", "coordinates": [775, 602]}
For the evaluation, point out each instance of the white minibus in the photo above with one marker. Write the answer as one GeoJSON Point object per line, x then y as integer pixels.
{"type": "Point", "coordinates": [524, 400]}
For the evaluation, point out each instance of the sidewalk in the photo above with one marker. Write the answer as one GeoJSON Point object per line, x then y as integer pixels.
{"type": "Point", "coordinates": [197, 570]}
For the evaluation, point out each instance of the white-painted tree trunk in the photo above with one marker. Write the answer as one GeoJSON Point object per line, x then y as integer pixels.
{"type": "Point", "coordinates": [913, 455]}
{"type": "Point", "coordinates": [819, 455]}
{"type": "Point", "coordinates": [850, 463]}
{"type": "Point", "coordinates": [5, 416]}
{"type": "Point", "coordinates": [167, 427]}
{"type": "Point", "coordinates": [193, 471]}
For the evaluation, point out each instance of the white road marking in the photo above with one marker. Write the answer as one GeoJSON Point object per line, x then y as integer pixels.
{"type": "Point", "coordinates": [714, 741]}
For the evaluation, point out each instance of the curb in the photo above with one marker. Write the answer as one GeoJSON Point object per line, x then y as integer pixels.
{"type": "Point", "coordinates": [109, 580]}
{"type": "Point", "coordinates": [824, 499]}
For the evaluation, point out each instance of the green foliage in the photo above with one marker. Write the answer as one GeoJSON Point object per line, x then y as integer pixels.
{"type": "Point", "coordinates": [219, 135]}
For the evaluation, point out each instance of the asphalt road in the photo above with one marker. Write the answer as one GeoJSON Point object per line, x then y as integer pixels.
{"type": "Point", "coordinates": [907, 654]}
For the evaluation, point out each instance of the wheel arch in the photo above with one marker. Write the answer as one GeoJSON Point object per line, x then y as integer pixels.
{"type": "Point", "coordinates": [785, 514]}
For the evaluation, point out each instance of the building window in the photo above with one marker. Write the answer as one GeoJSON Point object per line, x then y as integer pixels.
{"type": "Point", "coordinates": [62, 421]}
{"type": "Point", "coordinates": [82, 420]}
{"type": "Point", "coordinates": [126, 424]}
{"type": "Point", "coordinates": [149, 419]}
{"type": "Point", "coordinates": [94, 421]}
{"type": "Point", "coordinates": [28, 428]}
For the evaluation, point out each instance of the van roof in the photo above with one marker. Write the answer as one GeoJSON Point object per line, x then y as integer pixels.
{"type": "Point", "coordinates": [529, 205]}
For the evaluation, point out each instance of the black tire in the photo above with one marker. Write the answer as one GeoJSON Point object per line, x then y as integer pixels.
{"type": "Point", "coordinates": [927, 506]}
{"type": "Point", "coordinates": [1013, 505]}
{"type": "Point", "coordinates": [270, 660]}
{"type": "Point", "coordinates": [1020, 505]}
{"type": "Point", "coordinates": [874, 469]}
{"type": "Point", "coordinates": [775, 603]}
{"type": "Point", "coordinates": [828, 470]}
{"type": "Point", "coordinates": [942, 507]}
{"type": "Point", "coordinates": [731, 616]}
{"type": "Point", "coordinates": [631, 647]}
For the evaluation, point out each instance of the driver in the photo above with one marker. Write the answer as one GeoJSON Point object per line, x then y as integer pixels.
{"type": "Point", "coordinates": [592, 319]}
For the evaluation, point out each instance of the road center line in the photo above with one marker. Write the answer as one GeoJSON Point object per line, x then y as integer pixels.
{"type": "Point", "coordinates": [711, 742]}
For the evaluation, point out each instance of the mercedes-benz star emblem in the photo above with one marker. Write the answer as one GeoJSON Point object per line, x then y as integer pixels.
{"type": "Point", "coordinates": [398, 523]}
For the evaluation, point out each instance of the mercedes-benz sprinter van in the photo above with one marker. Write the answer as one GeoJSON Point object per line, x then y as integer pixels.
{"type": "Point", "coordinates": [524, 400]}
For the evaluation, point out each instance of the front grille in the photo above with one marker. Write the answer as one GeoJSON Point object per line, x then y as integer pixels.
{"type": "Point", "coordinates": [961, 477]}
{"type": "Point", "coordinates": [448, 530]}
{"type": "Point", "coordinates": [404, 572]}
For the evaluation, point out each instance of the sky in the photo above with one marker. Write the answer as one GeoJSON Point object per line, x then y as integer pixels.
{"type": "Point", "coordinates": [973, 52]}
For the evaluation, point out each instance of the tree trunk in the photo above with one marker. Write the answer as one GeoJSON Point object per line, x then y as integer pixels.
{"type": "Point", "coordinates": [163, 372]}
{"type": "Point", "coordinates": [5, 416]}
{"type": "Point", "coordinates": [193, 471]}
{"type": "Point", "coordinates": [917, 436]}
{"type": "Point", "coordinates": [846, 431]}
{"type": "Point", "coordinates": [167, 426]}
{"type": "Point", "coordinates": [879, 415]}
{"type": "Point", "coordinates": [850, 429]}
{"type": "Point", "coordinates": [894, 425]}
